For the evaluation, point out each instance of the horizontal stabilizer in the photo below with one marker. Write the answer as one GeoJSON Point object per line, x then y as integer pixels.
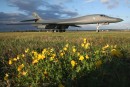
{"type": "Point", "coordinates": [75, 26]}
{"type": "Point", "coordinates": [29, 20]}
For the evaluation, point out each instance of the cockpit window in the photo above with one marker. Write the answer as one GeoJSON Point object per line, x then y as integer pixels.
{"type": "Point", "coordinates": [102, 15]}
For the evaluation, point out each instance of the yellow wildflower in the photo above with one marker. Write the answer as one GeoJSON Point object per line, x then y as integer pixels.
{"type": "Point", "coordinates": [105, 47]}
{"type": "Point", "coordinates": [6, 76]}
{"type": "Point", "coordinates": [10, 61]}
{"type": "Point", "coordinates": [44, 51]}
{"type": "Point", "coordinates": [115, 46]}
{"type": "Point", "coordinates": [84, 40]}
{"type": "Point", "coordinates": [67, 45]}
{"type": "Point", "coordinates": [51, 50]}
{"type": "Point", "coordinates": [81, 57]}
{"type": "Point", "coordinates": [82, 44]}
{"type": "Point", "coordinates": [61, 54]}
{"type": "Point", "coordinates": [60, 85]}
{"type": "Point", "coordinates": [15, 59]}
{"type": "Point", "coordinates": [115, 52]}
{"type": "Point", "coordinates": [78, 54]}
{"type": "Point", "coordinates": [53, 55]}
{"type": "Point", "coordinates": [74, 50]}
{"type": "Point", "coordinates": [65, 49]}
{"type": "Point", "coordinates": [35, 54]}
{"type": "Point", "coordinates": [73, 63]}
{"type": "Point", "coordinates": [87, 57]}
{"type": "Point", "coordinates": [98, 63]}
{"type": "Point", "coordinates": [32, 51]}
{"type": "Point", "coordinates": [34, 61]}
{"type": "Point", "coordinates": [45, 73]}
{"type": "Point", "coordinates": [18, 57]}
{"type": "Point", "coordinates": [23, 73]}
{"type": "Point", "coordinates": [20, 67]}
{"type": "Point", "coordinates": [40, 56]}
{"type": "Point", "coordinates": [87, 45]}
{"type": "Point", "coordinates": [23, 55]}
{"type": "Point", "coordinates": [60, 51]}
{"type": "Point", "coordinates": [51, 58]}
{"type": "Point", "coordinates": [26, 51]}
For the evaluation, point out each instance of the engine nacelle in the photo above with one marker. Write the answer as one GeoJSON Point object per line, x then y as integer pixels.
{"type": "Point", "coordinates": [106, 23]}
{"type": "Point", "coordinates": [41, 26]}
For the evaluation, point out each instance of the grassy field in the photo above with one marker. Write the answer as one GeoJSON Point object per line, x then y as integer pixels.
{"type": "Point", "coordinates": [70, 59]}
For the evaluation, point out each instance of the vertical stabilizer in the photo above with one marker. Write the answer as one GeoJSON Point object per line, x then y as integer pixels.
{"type": "Point", "coordinates": [35, 15]}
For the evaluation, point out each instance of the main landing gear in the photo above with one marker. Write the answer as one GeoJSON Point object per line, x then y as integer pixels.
{"type": "Point", "coordinates": [60, 30]}
{"type": "Point", "coordinates": [98, 28]}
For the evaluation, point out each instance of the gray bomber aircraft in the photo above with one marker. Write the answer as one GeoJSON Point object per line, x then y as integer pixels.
{"type": "Point", "coordinates": [61, 25]}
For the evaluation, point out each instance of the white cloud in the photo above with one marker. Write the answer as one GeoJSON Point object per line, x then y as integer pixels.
{"type": "Point", "coordinates": [89, 1]}
{"type": "Point", "coordinates": [110, 3]}
{"type": "Point", "coordinates": [59, 2]}
{"type": "Point", "coordinates": [105, 1]}
{"type": "Point", "coordinates": [128, 3]}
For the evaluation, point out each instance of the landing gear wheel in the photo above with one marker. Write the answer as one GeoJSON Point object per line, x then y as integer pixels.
{"type": "Point", "coordinates": [97, 30]}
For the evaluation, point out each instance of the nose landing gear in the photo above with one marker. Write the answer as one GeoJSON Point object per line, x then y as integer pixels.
{"type": "Point", "coordinates": [98, 28]}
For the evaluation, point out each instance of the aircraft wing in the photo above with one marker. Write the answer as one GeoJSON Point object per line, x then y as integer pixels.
{"type": "Point", "coordinates": [47, 23]}
{"type": "Point", "coordinates": [29, 20]}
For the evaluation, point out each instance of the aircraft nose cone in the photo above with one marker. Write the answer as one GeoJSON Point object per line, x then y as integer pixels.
{"type": "Point", "coordinates": [119, 19]}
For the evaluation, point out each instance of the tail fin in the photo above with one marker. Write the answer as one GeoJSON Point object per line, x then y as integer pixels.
{"type": "Point", "coordinates": [35, 15]}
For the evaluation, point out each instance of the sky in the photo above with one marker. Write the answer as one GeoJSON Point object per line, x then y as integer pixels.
{"type": "Point", "coordinates": [17, 10]}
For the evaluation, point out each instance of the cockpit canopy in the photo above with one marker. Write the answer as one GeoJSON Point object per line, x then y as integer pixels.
{"type": "Point", "coordinates": [103, 15]}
